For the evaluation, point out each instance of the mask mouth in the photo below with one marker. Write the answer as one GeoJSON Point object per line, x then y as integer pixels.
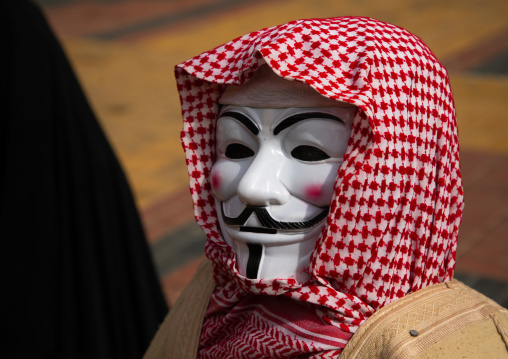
{"type": "Point", "coordinates": [270, 225]}
{"type": "Point", "coordinates": [258, 230]}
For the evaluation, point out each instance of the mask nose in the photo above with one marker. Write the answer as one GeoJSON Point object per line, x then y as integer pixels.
{"type": "Point", "coordinates": [260, 185]}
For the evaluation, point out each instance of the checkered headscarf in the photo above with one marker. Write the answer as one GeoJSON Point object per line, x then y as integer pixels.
{"type": "Point", "coordinates": [397, 204]}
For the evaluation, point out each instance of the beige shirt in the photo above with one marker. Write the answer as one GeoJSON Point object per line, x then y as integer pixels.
{"type": "Point", "coordinates": [447, 320]}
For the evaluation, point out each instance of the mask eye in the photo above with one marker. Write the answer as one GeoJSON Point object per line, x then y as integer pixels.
{"type": "Point", "coordinates": [309, 154]}
{"type": "Point", "coordinates": [237, 151]}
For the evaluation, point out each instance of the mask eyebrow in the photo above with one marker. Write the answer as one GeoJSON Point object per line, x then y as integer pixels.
{"type": "Point", "coordinates": [244, 120]}
{"type": "Point", "coordinates": [291, 120]}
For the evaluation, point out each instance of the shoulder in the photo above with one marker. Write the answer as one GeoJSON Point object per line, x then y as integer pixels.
{"type": "Point", "coordinates": [178, 335]}
{"type": "Point", "coordinates": [447, 320]}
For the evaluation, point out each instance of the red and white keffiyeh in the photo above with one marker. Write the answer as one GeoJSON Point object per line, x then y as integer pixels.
{"type": "Point", "coordinates": [395, 214]}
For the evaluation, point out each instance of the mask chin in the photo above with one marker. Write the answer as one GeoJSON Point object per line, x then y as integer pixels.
{"type": "Point", "coordinates": [258, 258]}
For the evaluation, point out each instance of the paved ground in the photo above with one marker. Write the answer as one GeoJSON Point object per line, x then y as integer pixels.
{"type": "Point", "coordinates": [124, 52]}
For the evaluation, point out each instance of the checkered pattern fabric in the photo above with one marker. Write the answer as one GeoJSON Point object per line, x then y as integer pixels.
{"type": "Point", "coordinates": [398, 199]}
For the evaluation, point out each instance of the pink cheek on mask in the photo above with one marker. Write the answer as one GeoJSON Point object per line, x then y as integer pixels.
{"type": "Point", "coordinates": [314, 191]}
{"type": "Point", "coordinates": [216, 181]}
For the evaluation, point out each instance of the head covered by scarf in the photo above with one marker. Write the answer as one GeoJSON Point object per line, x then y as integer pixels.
{"type": "Point", "coordinates": [397, 203]}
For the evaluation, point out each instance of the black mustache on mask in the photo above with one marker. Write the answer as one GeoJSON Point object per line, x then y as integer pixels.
{"type": "Point", "coordinates": [270, 225]}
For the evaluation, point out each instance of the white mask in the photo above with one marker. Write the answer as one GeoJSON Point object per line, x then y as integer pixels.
{"type": "Point", "coordinates": [275, 168]}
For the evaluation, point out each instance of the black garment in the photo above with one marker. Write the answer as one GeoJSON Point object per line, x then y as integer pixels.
{"type": "Point", "coordinates": [77, 279]}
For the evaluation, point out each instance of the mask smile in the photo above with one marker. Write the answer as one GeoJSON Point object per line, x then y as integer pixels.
{"type": "Point", "coordinates": [268, 224]}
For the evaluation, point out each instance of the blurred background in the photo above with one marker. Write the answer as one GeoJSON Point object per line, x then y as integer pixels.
{"type": "Point", "coordinates": [124, 51]}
